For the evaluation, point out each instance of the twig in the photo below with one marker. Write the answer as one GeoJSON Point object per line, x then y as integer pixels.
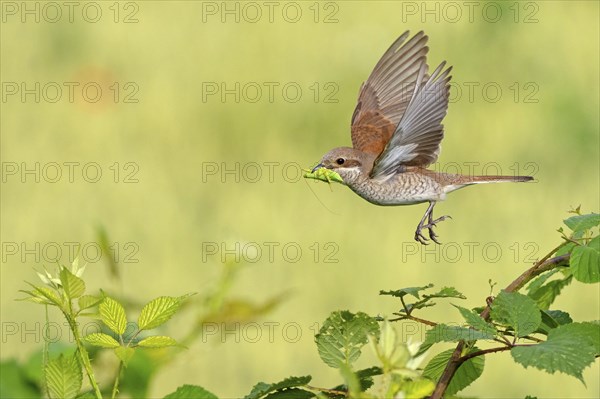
{"type": "Point", "coordinates": [417, 319]}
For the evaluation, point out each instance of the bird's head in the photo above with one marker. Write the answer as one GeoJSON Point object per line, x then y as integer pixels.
{"type": "Point", "coordinates": [349, 163]}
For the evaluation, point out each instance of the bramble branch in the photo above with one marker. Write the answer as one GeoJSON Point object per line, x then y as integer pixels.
{"type": "Point", "coordinates": [543, 265]}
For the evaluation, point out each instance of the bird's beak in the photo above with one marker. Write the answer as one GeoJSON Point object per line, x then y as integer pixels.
{"type": "Point", "coordinates": [320, 165]}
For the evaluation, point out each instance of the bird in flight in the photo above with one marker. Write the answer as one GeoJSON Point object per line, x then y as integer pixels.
{"type": "Point", "coordinates": [396, 133]}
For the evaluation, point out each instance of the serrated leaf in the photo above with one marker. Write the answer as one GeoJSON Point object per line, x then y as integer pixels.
{"type": "Point", "coordinates": [124, 354]}
{"type": "Point", "coordinates": [102, 340]}
{"type": "Point", "coordinates": [112, 314]}
{"type": "Point", "coordinates": [191, 392]}
{"type": "Point", "coordinates": [560, 317]}
{"type": "Point", "coordinates": [262, 388]}
{"type": "Point", "coordinates": [466, 373]}
{"type": "Point", "coordinates": [585, 261]}
{"type": "Point", "coordinates": [552, 319]}
{"type": "Point", "coordinates": [414, 291]}
{"type": "Point", "coordinates": [476, 321]}
{"type": "Point", "coordinates": [517, 311]}
{"type": "Point", "coordinates": [446, 333]}
{"type": "Point", "coordinates": [157, 341]}
{"type": "Point", "coordinates": [569, 349]}
{"type": "Point", "coordinates": [342, 336]}
{"type": "Point", "coordinates": [74, 286]}
{"type": "Point", "coordinates": [48, 294]}
{"type": "Point", "coordinates": [63, 377]}
{"type": "Point", "coordinates": [545, 295]}
{"type": "Point", "coordinates": [291, 393]}
{"type": "Point", "coordinates": [537, 282]}
{"type": "Point", "coordinates": [35, 298]}
{"type": "Point", "coordinates": [88, 301]}
{"type": "Point", "coordinates": [158, 311]}
{"type": "Point", "coordinates": [447, 292]}
{"type": "Point", "coordinates": [583, 222]}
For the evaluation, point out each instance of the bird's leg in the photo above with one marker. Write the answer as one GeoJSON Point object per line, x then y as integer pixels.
{"type": "Point", "coordinates": [418, 235]}
{"type": "Point", "coordinates": [432, 222]}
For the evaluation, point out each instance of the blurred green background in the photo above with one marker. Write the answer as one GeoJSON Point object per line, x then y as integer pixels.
{"type": "Point", "coordinates": [172, 142]}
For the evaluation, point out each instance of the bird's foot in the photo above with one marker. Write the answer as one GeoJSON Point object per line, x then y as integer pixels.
{"type": "Point", "coordinates": [429, 226]}
{"type": "Point", "coordinates": [419, 237]}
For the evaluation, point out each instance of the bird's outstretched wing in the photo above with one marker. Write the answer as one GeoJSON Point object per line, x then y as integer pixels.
{"type": "Point", "coordinates": [416, 140]}
{"type": "Point", "coordinates": [386, 94]}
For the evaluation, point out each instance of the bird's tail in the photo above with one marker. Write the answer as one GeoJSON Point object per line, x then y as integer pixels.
{"type": "Point", "coordinates": [495, 179]}
{"type": "Point", "coordinates": [460, 181]}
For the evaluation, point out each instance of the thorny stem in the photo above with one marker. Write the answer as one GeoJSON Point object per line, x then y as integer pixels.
{"type": "Point", "coordinates": [456, 359]}
{"type": "Point", "coordinates": [115, 389]}
{"type": "Point", "coordinates": [85, 360]}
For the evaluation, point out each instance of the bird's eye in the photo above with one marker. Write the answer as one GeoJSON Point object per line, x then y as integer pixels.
{"type": "Point", "coordinates": [340, 161]}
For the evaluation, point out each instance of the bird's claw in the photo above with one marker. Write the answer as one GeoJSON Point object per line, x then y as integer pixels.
{"type": "Point", "coordinates": [419, 237]}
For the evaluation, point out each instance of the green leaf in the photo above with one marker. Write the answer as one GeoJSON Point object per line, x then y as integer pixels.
{"type": "Point", "coordinates": [559, 316]}
{"type": "Point", "coordinates": [569, 349]}
{"type": "Point", "coordinates": [47, 294]}
{"type": "Point", "coordinates": [585, 261]}
{"type": "Point", "coordinates": [88, 301]}
{"type": "Point", "coordinates": [74, 286]}
{"type": "Point", "coordinates": [124, 354]}
{"type": "Point", "coordinates": [546, 294]}
{"type": "Point", "coordinates": [63, 377]}
{"type": "Point", "coordinates": [517, 311]}
{"type": "Point", "coordinates": [112, 314]}
{"type": "Point", "coordinates": [158, 311]}
{"type": "Point", "coordinates": [552, 319]}
{"type": "Point", "coordinates": [191, 392]}
{"type": "Point", "coordinates": [102, 340]}
{"type": "Point", "coordinates": [419, 388]}
{"type": "Point", "coordinates": [580, 223]}
{"type": "Point", "coordinates": [35, 298]}
{"type": "Point", "coordinates": [414, 291]}
{"type": "Point", "coordinates": [446, 333]}
{"type": "Point", "coordinates": [87, 395]}
{"type": "Point", "coordinates": [157, 341]}
{"type": "Point", "coordinates": [537, 283]}
{"type": "Point", "coordinates": [468, 372]}
{"type": "Point", "coordinates": [447, 292]}
{"type": "Point", "coordinates": [566, 249]}
{"type": "Point", "coordinates": [261, 389]}
{"type": "Point", "coordinates": [342, 336]}
{"type": "Point", "coordinates": [365, 377]}
{"type": "Point", "coordinates": [476, 321]}
{"type": "Point", "coordinates": [291, 393]}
